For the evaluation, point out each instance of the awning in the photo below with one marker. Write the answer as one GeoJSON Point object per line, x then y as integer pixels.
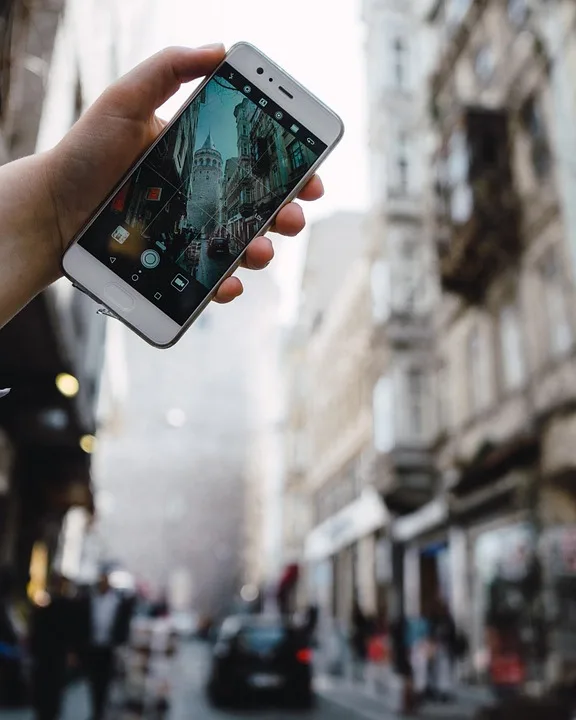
{"type": "Point", "coordinates": [360, 518]}
{"type": "Point", "coordinates": [428, 517]}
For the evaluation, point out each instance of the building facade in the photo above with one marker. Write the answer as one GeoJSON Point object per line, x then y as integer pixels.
{"type": "Point", "coordinates": [400, 50]}
{"type": "Point", "coordinates": [504, 335]}
{"type": "Point", "coordinates": [329, 514]}
{"type": "Point", "coordinates": [52, 352]}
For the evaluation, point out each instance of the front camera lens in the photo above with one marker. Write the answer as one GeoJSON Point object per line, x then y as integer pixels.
{"type": "Point", "coordinates": [260, 71]}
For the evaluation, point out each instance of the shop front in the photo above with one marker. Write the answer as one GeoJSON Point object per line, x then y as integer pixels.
{"type": "Point", "coordinates": [341, 557]}
{"type": "Point", "coordinates": [424, 537]}
{"type": "Point", "coordinates": [558, 553]}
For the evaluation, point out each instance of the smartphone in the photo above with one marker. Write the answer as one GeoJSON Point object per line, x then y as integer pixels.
{"type": "Point", "coordinates": [178, 223]}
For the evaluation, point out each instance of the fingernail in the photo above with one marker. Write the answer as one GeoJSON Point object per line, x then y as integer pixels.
{"type": "Point", "coordinates": [212, 46]}
{"type": "Point", "coordinates": [4, 392]}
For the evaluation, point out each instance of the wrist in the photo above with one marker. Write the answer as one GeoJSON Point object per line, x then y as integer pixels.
{"type": "Point", "coordinates": [30, 242]}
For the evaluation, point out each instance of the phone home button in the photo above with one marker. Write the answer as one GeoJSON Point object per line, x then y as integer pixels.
{"type": "Point", "coordinates": [119, 297]}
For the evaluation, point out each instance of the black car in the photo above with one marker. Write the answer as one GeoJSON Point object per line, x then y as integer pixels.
{"type": "Point", "coordinates": [256, 656]}
{"type": "Point", "coordinates": [218, 247]}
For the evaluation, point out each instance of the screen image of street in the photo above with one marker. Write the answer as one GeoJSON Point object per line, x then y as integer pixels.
{"type": "Point", "coordinates": [181, 220]}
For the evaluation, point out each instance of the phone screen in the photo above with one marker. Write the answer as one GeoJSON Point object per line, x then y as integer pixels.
{"type": "Point", "coordinates": [190, 207]}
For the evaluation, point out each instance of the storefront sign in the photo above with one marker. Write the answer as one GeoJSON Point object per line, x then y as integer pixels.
{"type": "Point", "coordinates": [362, 517]}
{"type": "Point", "coordinates": [430, 516]}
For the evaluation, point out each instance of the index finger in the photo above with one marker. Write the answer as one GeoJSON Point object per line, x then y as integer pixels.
{"type": "Point", "coordinates": [313, 190]}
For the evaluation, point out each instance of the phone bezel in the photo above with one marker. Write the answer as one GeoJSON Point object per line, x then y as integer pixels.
{"type": "Point", "coordinates": [144, 318]}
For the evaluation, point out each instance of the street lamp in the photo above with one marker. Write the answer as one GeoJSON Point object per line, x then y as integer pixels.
{"type": "Point", "coordinates": [67, 384]}
{"type": "Point", "coordinates": [88, 443]}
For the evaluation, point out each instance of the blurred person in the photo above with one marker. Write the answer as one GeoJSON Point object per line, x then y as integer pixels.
{"type": "Point", "coordinates": [360, 626]}
{"type": "Point", "coordinates": [12, 685]}
{"type": "Point", "coordinates": [420, 650]}
{"type": "Point", "coordinates": [401, 660]}
{"type": "Point", "coordinates": [103, 625]}
{"type": "Point", "coordinates": [506, 667]}
{"type": "Point", "coordinates": [443, 638]}
{"type": "Point", "coordinates": [51, 642]}
{"type": "Point", "coordinates": [48, 197]}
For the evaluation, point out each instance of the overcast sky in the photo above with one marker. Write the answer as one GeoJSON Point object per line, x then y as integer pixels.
{"type": "Point", "coordinates": [320, 42]}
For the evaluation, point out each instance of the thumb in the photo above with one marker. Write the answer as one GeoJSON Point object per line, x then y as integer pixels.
{"type": "Point", "coordinates": [139, 93]}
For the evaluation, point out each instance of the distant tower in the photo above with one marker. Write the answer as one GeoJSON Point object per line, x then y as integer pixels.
{"type": "Point", "coordinates": [203, 206]}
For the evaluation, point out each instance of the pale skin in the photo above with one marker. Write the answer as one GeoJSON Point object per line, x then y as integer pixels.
{"type": "Point", "coordinates": [46, 198]}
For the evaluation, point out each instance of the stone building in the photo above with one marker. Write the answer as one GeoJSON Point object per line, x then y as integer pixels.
{"type": "Point", "coordinates": [400, 49]}
{"type": "Point", "coordinates": [329, 419]}
{"type": "Point", "coordinates": [505, 336]}
{"type": "Point", "coordinates": [47, 432]}
{"type": "Point", "coordinates": [206, 188]}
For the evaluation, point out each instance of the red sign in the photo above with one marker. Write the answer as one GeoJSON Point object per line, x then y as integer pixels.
{"type": "Point", "coordinates": [154, 193]}
{"type": "Point", "coordinates": [507, 670]}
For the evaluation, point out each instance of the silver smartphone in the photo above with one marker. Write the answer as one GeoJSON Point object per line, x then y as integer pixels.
{"type": "Point", "coordinates": [178, 223]}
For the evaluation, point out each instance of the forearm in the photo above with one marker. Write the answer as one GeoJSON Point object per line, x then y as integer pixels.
{"type": "Point", "coordinates": [30, 245]}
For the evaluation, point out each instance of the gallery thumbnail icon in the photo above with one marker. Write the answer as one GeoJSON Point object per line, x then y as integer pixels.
{"type": "Point", "coordinates": [120, 234]}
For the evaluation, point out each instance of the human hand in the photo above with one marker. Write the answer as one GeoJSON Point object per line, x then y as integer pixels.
{"type": "Point", "coordinates": [119, 126]}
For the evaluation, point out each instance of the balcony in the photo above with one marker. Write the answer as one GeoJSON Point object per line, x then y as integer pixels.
{"type": "Point", "coordinates": [402, 205]}
{"type": "Point", "coordinates": [246, 208]}
{"type": "Point", "coordinates": [477, 213]}
{"type": "Point", "coordinates": [405, 477]}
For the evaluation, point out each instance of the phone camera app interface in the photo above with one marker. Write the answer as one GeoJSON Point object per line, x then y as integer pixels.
{"type": "Point", "coordinates": [182, 218]}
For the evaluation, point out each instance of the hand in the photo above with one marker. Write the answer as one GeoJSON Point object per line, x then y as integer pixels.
{"type": "Point", "coordinates": [122, 123]}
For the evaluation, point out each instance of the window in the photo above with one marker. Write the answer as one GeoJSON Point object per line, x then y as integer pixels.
{"type": "Point", "coordinates": [484, 63]}
{"type": "Point", "coordinates": [383, 411]}
{"type": "Point", "coordinates": [479, 390]}
{"type": "Point", "coordinates": [416, 397]}
{"type": "Point", "coordinates": [533, 121]}
{"type": "Point", "coordinates": [457, 171]}
{"type": "Point", "coordinates": [400, 56]}
{"type": "Point", "coordinates": [402, 167]}
{"type": "Point", "coordinates": [511, 347]}
{"type": "Point", "coordinates": [443, 398]}
{"type": "Point", "coordinates": [380, 285]}
{"type": "Point", "coordinates": [407, 279]}
{"type": "Point", "coordinates": [557, 319]}
{"type": "Point", "coordinates": [517, 11]}
{"type": "Point", "coordinates": [296, 156]}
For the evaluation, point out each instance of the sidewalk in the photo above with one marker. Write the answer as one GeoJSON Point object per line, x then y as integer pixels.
{"type": "Point", "coordinates": [356, 696]}
{"type": "Point", "coordinates": [75, 707]}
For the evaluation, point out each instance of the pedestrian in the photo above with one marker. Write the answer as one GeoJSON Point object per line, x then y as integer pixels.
{"type": "Point", "coordinates": [443, 638]}
{"type": "Point", "coordinates": [50, 644]}
{"type": "Point", "coordinates": [103, 625]}
{"type": "Point", "coordinates": [360, 632]}
{"type": "Point", "coordinates": [48, 197]}
{"type": "Point", "coordinates": [401, 661]}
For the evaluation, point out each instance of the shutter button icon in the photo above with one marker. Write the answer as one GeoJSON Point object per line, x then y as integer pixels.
{"type": "Point", "coordinates": [150, 259]}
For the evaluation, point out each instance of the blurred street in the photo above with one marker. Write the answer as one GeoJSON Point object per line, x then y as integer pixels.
{"type": "Point", "coordinates": [190, 703]}
{"type": "Point", "coordinates": [357, 481]}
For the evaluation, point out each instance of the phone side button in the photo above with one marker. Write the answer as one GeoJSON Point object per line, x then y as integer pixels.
{"type": "Point", "coordinates": [119, 297]}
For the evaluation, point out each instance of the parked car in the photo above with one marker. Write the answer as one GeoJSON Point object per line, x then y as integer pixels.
{"type": "Point", "coordinates": [256, 656]}
{"type": "Point", "coordinates": [218, 246]}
